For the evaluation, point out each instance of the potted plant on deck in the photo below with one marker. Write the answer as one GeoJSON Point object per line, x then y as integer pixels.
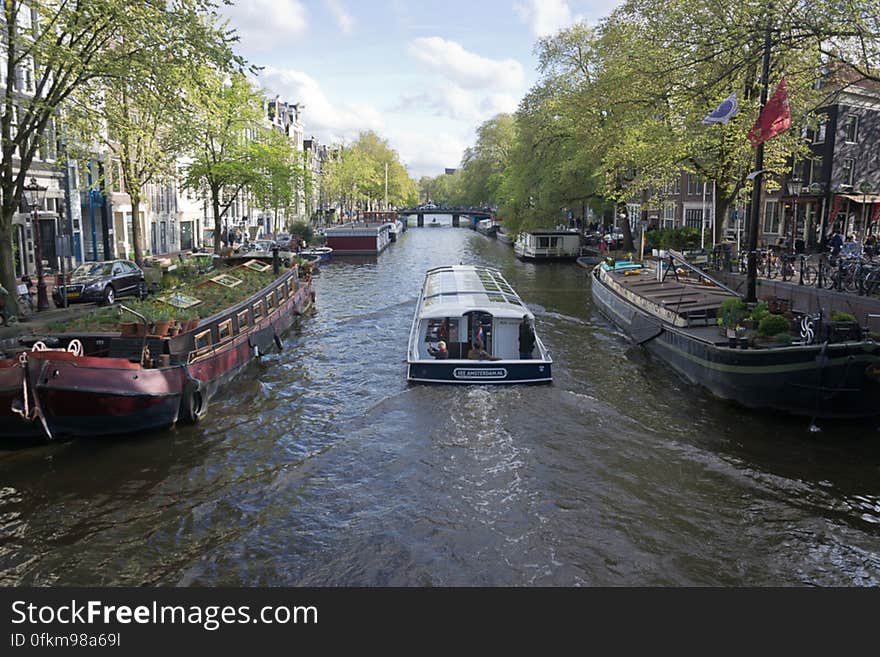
{"type": "Point", "coordinates": [733, 312]}
{"type": "Point", "coordinates": [844, 327]}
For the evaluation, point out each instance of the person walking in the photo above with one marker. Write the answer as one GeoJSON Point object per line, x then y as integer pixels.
{"type": "Point", "coordinates": [526, 339]}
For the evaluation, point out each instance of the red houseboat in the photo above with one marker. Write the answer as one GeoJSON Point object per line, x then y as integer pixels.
{"type": "Point", "coordinates": [103, 384]}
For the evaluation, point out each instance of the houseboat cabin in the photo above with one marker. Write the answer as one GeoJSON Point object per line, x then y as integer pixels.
{"type": "Point", "coordinates": [560, 244]}
{"type": "Point", "coordinates": [476, 316]}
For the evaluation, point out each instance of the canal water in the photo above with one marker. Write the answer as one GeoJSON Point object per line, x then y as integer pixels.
{"type": "Point", "coordinates": [321, 466]}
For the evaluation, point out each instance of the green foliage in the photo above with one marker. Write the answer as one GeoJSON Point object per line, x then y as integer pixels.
{"type": "Point", "coordinates": [760, 311]}
{"type": "Point", "coordinates": [678, 239]}
{"type": "Point", "coordinates": [843, 317]}
{"type": "Point", "coordinates": [783, 338]}
{"type": "Point", "coordinates": [733, 310]}
{"type": "Point", "coordinates": [355, 175]}
{"type": "Point", "coordinates": [302, 230]}
{"type": "Point", "coordinates": [773, 325]}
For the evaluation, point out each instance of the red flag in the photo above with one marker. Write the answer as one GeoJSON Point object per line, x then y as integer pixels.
{"type": "Point", "coordinates": [775, 117]}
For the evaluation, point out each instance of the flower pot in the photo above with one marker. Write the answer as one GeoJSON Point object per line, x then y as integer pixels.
{"type": "Point", "coordinates": [129, 329]}
{"type": "Point", "coordinates": [192, 324]}
{"type": "Point", "coordinates": [160, 327]}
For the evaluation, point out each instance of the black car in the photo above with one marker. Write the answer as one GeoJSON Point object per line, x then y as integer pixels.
{"type": "Point", "coordinates": [103, 282]}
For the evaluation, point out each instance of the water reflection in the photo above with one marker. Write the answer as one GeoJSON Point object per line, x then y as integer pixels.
{"type": "Point", "coordinates": [321, 466]}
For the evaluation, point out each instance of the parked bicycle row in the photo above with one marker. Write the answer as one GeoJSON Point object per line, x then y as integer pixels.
{"type": "Point", "coordinates": [847, 272]}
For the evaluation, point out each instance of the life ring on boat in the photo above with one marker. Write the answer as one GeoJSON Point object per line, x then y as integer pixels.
{"type": "Point", "coordinates": [193, 402]}
{"type": "Point", "coordinates": [75, 347]}
{"type": "Point", "coordinates": [39, 346]}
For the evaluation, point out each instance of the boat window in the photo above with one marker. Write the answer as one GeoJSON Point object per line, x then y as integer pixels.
{"type": "Point", "coordinates": [224, 329]}
{"type": "Point", "coordinates": [270, 302]}
{"type": "Point", "coordinates": [243, 320]}
{"type": "Point", "coordinates": [258, 311]}
{"type": "Point", "coordinates": [445, 329]}
{"type": "Point", "coordinates": [203, 339]}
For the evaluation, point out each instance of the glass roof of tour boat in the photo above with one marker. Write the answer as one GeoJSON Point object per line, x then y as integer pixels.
{"type": "Point", "coordinates": [455, 290]}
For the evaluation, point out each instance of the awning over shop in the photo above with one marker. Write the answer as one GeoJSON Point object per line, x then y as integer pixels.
{"type": "Point", "coordinates": [861, 198]}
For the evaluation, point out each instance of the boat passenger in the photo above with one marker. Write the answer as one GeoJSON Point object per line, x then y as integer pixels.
{"type": "Point", "coordinates": [440, 352]}
{"type": "Point", "coordinates": [526, 339]}
{"type": "Point", "coordinates": [476, 352]}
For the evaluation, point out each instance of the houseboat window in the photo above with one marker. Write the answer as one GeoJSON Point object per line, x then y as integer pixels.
{"type": "Point", "coordinates": [242, 320]}
{"type": "Point", "coordinates": [258, 311]}
{"type": "Point", "coordinates": [445, 329]}
{"type": "Point", "coordinates": [203, 339]}
{"type": "Point", "coordinates": [224, 330]}
{"type": "Point", "coordinates": [270, 302]}
{"type": "Point", "coordinates": [283, 289]}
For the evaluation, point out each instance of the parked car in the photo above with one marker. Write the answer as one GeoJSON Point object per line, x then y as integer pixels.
{"type": "Point", "coordinates": [614, 239]}
{"type": "Point", "coordinates": [263, 248]}
{"type": "Point", "coordinates": [284, 240]}
{"type": "Point", "coordinates": [103, 282]}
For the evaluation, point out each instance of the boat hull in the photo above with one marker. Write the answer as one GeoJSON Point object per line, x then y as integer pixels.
{"type": "Point", "coordinates": [830, 381]}
{"type": "Point", "coordinates": [475, 372]}
{"type": "Point", "coordinates": [71, 396]}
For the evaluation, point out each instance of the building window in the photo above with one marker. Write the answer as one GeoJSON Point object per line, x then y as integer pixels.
{"type": "Point", "coordinates": [815, 172]}
{"type": "Point", "coordinates": [846, 170]}
{"type": "Point", "coordinates": [851, 128]}
{"type": "Point", "coordinates": [693, 218]}
{"type": "Point", "coordinates": [695, 185]}
{"type": "Point", "coordinates": [819, 137]}
{"type": "Point", "coordinates": [669, 215]}
{"type": "Point", "coordinates": [771, 217]}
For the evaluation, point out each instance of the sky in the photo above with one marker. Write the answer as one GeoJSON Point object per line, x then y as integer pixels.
{"type": "Point", "coordinates": [422, 74]}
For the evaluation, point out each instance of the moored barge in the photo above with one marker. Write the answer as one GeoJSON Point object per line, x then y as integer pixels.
{"type": "Point", "coordinates": [107, 384]}
{"type": "Point", "coordinates": [675, 319]}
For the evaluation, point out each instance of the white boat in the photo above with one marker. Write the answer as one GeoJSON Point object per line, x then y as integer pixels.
{"type": "Point", "coordinates": [486, 227]}
{"type": "Point", "coordinates": [323, 252]}
{"type": "Point", "coordinates": [462, 305]}
{"type": "Point", "coordinates": [397, 227]}
{"type": "Point", "coordinates": [555, 244]}
{"type": "Point", "coordinates": [502, 236]}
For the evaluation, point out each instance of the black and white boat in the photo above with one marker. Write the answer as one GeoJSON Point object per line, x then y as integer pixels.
{"type": "Point", "coordinates": [477, 315]}
{"type": "Point", "coordinates": [819, 375]}
{"type": "Point", "coordinates": [503, 236]}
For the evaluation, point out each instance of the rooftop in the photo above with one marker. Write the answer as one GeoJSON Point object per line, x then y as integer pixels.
{"type": "Point", "coordinates": [453, 291]}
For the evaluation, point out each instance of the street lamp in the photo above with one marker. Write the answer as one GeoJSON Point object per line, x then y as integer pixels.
{"type": "Point", "coordinates": [865, 188]}
{"type": "Point", "coordinates": [34, 194]}
{"type": "Point", "coordinates": [794, 190]}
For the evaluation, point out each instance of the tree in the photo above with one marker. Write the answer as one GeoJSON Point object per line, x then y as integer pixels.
{"type": "Point", "coordinates": [280, 173]}
{"type": "Point", "coordinates": [138, 106]}
{"type": "Point", "coordinates": [68, 46]}
{"type": "Point", "coordinates": [226, 110]}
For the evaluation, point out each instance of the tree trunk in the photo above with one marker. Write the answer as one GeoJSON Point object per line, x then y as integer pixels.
{"type": "Point", "coordinates": [215, 204]}
{"type": "Point", "coordinates": [7, 264]}
{"type": "Point", "coordinates": [720, 227]}
{"type": "Point", "coordinates": [137, 235]}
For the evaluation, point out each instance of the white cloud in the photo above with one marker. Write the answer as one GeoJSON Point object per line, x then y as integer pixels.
{"type": "Point", "coordinates": [451, 101]}
{"type": "Point", "coordinates": [329, 120]}
{"type": "Point", "coordinates": [428, 154]}
{"type": "Point", "coordinates": [545, 17]}
{"type": "Point", "coordinates": [344, 20]}
{"type": "Point", "coordinates": [467, 69]}
{"type": "Point", "coordinates": [264, 24]}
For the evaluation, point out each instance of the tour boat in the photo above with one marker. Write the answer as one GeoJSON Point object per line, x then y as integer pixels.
{"type": "Point", "coordinates": [323, 252]}
{"type": "Point", "coordinates": [108, 384]}
{"type": "Point", "coordinates": [672, 312]}
{"type": "Point", "coordinates": [486, 227]}
{"type": "Point", "coordinates": [464, 306]}
{"type": "Point", "coordinates": [558, 244]}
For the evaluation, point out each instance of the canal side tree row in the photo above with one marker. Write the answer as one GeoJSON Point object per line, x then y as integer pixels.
{"type": "Point", "coordinates": [617, 112]}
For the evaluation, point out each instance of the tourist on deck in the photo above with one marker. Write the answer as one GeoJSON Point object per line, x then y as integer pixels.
{"type": "Point", "coordinates": [440, 352]}
{"type": "Point", "coordinates": [476, 352]}
{"type": "Point", "coordinates": [526, 339]}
